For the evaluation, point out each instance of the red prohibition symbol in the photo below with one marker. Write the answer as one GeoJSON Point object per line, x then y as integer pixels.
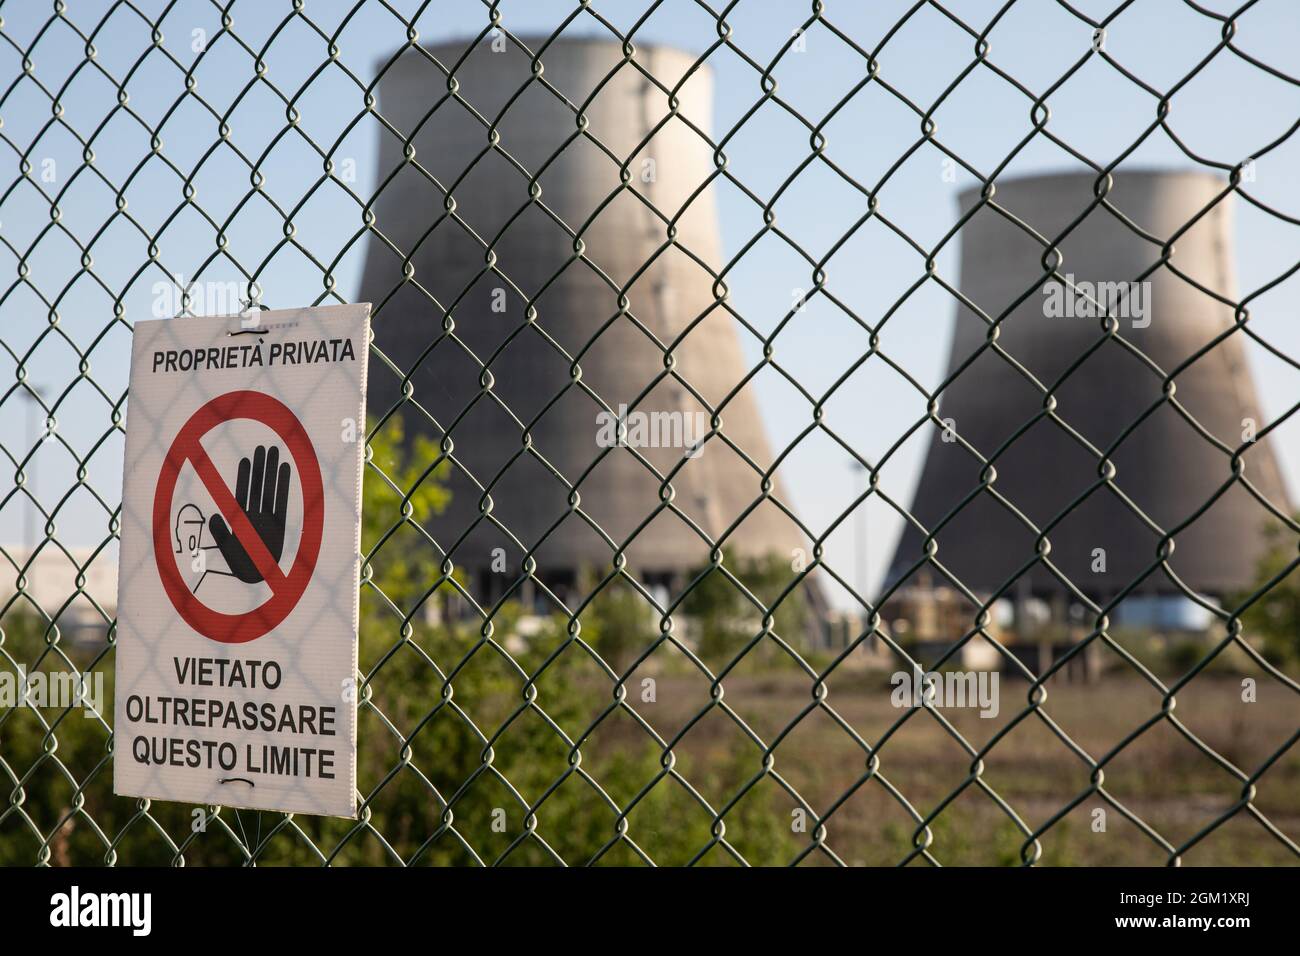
{"type": "Point", "coordinates": [286, 589]}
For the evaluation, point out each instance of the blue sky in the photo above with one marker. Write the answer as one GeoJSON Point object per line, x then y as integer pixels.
{"type": "Point", "coordinates": [1228, 112]}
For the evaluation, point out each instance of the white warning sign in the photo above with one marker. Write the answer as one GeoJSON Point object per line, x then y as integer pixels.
{"type": "Point", "coordinates": [239, 562]}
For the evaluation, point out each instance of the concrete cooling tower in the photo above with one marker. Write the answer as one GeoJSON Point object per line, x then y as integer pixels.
{"type": "Point", "coordinates": [513, 353]}
{"type": "Point", "coordinates": [1165, 466]}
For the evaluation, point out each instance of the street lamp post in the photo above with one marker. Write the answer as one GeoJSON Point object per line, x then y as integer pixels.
{"type": "Point", "coordinates": [35, 405]}
{"type": "Point", "coordinates": [860, 532]}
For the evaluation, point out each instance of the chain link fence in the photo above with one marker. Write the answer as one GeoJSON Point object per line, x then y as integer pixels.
{"type": "Point", "coordinates": [521, 701]}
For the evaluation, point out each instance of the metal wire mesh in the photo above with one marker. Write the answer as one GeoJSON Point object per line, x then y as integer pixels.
{"type": "Point", "coordinates": [485, 746]}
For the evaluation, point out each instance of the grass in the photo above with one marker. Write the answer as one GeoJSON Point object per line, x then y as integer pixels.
{"type": "Point", "coordinates": [1160, 777]}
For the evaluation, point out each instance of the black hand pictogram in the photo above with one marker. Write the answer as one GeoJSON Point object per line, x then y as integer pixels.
{"type": "Point", "coordinates": [262, 491]}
